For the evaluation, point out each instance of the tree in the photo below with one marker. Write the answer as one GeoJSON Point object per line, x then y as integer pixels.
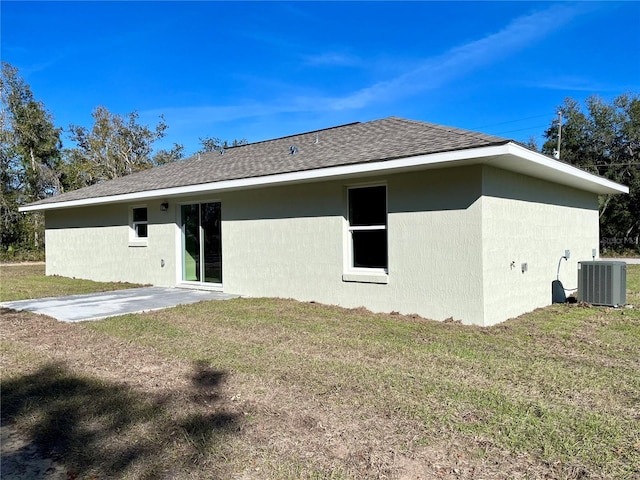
{"type": "Point", "coordinates": [115, 146]}
{"type": "Point", "coordinates": [605, 140]}
{"type": "Point", "coordinates": [30, 158]}
{"type": "Point", "coordinates": [9, 188]}
{"type": "Point", "coordinates": [162, 157]}
{"type": "Point", "coordinates": [532, 143]}
{"type": "Point", "coordinates": [214, 144]}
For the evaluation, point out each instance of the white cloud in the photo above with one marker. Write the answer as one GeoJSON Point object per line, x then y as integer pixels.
{"type": "Point", "coordinates": [331, 59]}
{"type": "Point", "coordinates": [579, 84]}
{"type": "Point", "coordinates": [428, 74]}
{"type": "Point", "coordinates": [433, 72]}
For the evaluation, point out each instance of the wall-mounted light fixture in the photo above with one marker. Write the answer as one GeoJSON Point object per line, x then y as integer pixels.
{"type": "Point", "coordinates": [164, 206]}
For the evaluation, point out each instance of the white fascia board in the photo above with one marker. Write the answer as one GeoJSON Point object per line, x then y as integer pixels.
{"type": "Point", "coordinates": [276, 179]}
{"type": "Point", "coordinates": [556, 171]}
{"type": "Point", "coordinates": [537, 165]}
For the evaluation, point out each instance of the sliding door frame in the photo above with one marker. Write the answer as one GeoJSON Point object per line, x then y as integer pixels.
{"type": "Point", "coordinates": [180, 246]}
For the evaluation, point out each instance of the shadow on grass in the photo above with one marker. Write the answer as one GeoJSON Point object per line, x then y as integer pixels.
{"type": "Point", "coordinates": [98, 428]}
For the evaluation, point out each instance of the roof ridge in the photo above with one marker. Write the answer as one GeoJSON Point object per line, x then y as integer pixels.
{"type": "Point", "coordinates": [444, 128]}
{"type": "Point", "coordinates": [450, 129]}
{"type": "Point", "coordinates": [353, 143]}
{"type": "Point", "coordinates": [299, 134]}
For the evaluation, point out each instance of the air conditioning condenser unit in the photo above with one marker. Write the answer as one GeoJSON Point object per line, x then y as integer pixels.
{"type": "Point", "coordinates": [602, 283]}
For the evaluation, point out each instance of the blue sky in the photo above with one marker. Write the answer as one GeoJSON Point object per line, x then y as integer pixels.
{"type": "Point", "coordinates": [270, 69]}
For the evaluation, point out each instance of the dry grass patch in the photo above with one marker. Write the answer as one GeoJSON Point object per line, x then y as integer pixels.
{"type": "Point", "coordinates": [272, 388]}
{"type": "Point", "coordinates": [106, 408]}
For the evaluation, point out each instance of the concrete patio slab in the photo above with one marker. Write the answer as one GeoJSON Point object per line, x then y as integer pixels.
{"type": "Point", "coordinates": [94, 306]}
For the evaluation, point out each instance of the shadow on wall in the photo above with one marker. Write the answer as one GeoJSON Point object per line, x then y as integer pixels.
{"type": "Point", "coordinates": [512, 186]}
{"type": "Point", "coordinates": [103, 429]}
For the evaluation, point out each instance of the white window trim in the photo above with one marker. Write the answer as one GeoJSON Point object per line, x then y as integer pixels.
{"type": "Point", "coordinates": [134, 240]}
{"type": "Point", "coordinates": [363, 274]}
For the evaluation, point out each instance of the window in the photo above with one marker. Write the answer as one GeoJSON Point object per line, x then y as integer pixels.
{"type": "Point", "coordinates": [139, 222]}
{"type": "Point", "coordinates": [368, 226]}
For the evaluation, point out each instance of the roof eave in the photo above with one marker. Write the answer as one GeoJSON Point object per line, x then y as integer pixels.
{"type": "Point", "coordinates": [508, 156]}
{"type": "Point", "coordinates": [540, 166]}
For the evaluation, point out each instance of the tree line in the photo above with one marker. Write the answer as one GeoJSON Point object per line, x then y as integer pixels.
{"type": "Point", "coordinates": [34, 165]}
{"type": "Point", "coordinates": [603, 138]}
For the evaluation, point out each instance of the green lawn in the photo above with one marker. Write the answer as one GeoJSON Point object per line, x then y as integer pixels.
{"type": "Point", "coordinates": [317, 391]}
{"type": "Point", "coordinates": [21, 282]}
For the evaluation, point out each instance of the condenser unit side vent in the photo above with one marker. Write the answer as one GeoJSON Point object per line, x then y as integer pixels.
{"type": "Point", "coordinates": [602, 283]}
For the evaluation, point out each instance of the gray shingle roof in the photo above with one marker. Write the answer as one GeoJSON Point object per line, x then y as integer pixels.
{"type": "Point", "coordinates": [385, 139]}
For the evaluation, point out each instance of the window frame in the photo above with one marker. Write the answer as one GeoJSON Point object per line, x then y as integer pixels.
{"type": "Point", "coordinates": [351, 272]}
{"type": "Point", "coordinates": [135, 240]}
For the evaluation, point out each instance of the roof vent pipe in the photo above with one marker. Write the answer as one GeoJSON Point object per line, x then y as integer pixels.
{"type": "Point", "coordinates": [317, 140]}
{"type": "Point", "coordinates": [293, 150]}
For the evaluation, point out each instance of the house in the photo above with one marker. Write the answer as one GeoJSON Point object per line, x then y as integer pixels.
{"type": "Point", "coordinates": [392, 214]}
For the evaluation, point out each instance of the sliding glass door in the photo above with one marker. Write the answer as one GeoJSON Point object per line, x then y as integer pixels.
{"type": "Point", "coordinates": [201, 242]}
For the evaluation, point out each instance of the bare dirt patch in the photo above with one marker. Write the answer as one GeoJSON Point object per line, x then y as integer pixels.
{"type": "Point", "coordinates": [97, 406]}
{"type": "Point", "coordinates": [23, 459]}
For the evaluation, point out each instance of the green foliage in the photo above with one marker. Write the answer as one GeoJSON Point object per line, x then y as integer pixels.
{"type": "Point", "coordinates": [9, 188]}
{"type": "Point", "coordinates": [214, 144]}
{"type": "Point", "coordinates": [162, 157]}
{"type": "Point", "coordinates": [33, 140]}
{"type": "Point", "coordinates": [605, 140]}
{"type": "Point", "coordinates": [20, 254]}
{"type": "Point", "coordinates": [34, 166]}
{"type": "Point", "coordinates": [30, 159]}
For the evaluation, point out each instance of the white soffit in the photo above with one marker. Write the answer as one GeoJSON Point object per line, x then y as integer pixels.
{"type": "Point", "coordinates": [522, 160]}
{"type": "Point", "coordinates": [509, 156]}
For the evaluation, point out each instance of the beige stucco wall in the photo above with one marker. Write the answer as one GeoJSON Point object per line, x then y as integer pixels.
{"type": "Point", "coordinates": [95, 243]}
{"type": "Point", "coordinates": [291, 242]}
{"type": "Point", "coordinates": [526, 220]}
{"type": "Point", "coordinates": [453, 235]}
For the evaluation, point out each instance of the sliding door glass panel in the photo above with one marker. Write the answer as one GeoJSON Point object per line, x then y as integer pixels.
{"type": "Point", "coordinates": [212, 242]}
{"type": "Point", "coordinates": [191, 242]}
